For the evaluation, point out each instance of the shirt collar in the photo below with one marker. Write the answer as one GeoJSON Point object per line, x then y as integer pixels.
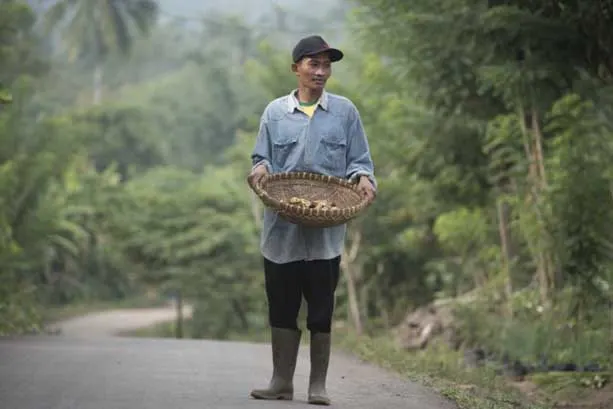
{"type": "Point", "coordinates": [292, 101]}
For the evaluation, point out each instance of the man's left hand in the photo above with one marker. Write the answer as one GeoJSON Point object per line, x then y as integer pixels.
{"type": "Point", "coordinates": [366, 187]}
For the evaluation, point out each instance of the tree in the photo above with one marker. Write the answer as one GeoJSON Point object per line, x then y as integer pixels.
{"type": "Point", "coordinates": [93, 29]}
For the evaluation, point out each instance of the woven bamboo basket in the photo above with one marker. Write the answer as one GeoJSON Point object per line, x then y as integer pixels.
{"type": "Point", "coordinates": [276, 190]}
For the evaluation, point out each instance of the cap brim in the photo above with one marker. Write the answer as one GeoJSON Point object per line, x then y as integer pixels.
{"type": "Point", "coordinates": [335, 54]}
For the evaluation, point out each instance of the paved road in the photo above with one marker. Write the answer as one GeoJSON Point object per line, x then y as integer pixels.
{"type": "Point", "coordinates": [73, 371]}
{"type": "Point", "coordinates": [109, 323]}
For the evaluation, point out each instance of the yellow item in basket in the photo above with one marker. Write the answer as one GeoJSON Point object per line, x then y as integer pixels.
{"type": "Point", "coordinates": [312, 204]}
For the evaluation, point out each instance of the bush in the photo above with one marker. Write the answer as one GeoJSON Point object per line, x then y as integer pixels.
{"type": "Point", "coordinates": [537, 334]}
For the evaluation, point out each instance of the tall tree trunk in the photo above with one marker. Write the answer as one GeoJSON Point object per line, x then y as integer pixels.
{"type": "Point", "coordinates": [534, 154]}
{"type": "Point", "coordinates": [538, 147]}
{"type": "Point", "coordinates": [349, 270]}
{"type": "Point", "coordinates": [532, 172]}
{"type": "Point", "coordinates": [538, 142]}
{"type": "Point", "coordinates": [547, 272]}
{"type": "Point", "coordinates": [354, 308]}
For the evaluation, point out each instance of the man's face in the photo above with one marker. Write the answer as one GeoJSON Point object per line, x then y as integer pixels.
{"type": "Point", "coordinates": [314, 71]}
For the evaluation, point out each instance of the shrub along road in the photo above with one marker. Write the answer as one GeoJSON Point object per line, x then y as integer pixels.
{"type": "Point", "coordinates": [88, 367]}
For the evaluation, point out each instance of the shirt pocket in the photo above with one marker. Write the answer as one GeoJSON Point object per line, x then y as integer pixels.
{"type": "Point", "coordinates": [282, 148]}
{"type": "Point", "coordinates": [333, 152]}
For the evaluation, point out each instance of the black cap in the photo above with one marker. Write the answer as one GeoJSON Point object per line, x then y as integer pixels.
{"type": "Point", "coordinates": [312, 45]}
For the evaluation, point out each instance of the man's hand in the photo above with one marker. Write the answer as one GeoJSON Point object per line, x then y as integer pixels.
{"type": "Point", "coordinates": [366, 187]}
{"type": "Point", "coordinates": [257, 174]}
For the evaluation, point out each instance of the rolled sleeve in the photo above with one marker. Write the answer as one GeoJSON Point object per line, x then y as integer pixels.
{"type": "Point", "coordinates": [359, 159]}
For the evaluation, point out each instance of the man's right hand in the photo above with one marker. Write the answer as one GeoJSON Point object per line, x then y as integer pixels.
{"type": "Point", "coordinates": [257, 174]}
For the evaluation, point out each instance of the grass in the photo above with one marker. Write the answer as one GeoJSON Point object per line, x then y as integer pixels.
{"type": "Point", "coordinates": [589, 388]}
{"type": "Point", "coordinates": [440, 369]}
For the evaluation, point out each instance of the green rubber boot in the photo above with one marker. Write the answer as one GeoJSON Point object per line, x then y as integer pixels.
{"type": "Point", "coordinates": [320, 358]}
{"type": "Point", "coordinates": [285, 345]}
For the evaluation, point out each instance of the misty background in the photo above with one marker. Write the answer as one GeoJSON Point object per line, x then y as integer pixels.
{"type": "Point", "coordinates": [126, 129]}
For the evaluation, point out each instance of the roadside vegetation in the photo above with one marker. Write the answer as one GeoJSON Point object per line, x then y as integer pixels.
{"type": "Point", "coordinates": [483, 269]}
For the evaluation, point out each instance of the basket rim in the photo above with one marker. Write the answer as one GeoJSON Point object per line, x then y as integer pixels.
{"type": "Point", "coordinates": [296, 210]}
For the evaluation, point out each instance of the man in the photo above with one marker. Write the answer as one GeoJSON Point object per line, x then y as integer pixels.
{"type": "Point", "coordinates": [315, 131]}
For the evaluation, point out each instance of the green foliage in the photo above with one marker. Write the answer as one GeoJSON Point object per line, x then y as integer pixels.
{"type": "Point", "coordinates": [99, 27]}
{"type": "Point", "coordinates": [500, 131]}
{"type": "Point", "coordinates": [580, 194]}
{"type": "Point", "coordinates": [122, 135]}
{"type": "Point", "coordinates": [271, 74]}
{"type": "Point", "coordinates": [21, 52]}
{"type": "Point", "coordinates": [537, 334]}
{"type": "Point", "coordinates": [188, 228]}
{"type": "Point", "coordinates": [5, 95]}
{"type": "Point", "coordinates": [145, 188]}
{"type": "Point", "coordinates": [486, 124]}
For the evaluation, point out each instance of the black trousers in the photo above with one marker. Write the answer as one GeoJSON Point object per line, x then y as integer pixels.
{"type": "Point", "coordinates": [287, 283]}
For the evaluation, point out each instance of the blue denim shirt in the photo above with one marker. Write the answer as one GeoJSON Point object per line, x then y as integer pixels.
{"type": "Point", "coordinates": [331, 142]}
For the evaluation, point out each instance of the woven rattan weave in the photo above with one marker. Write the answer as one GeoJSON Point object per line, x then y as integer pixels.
{"type": "Point", "coordinates": [276, 190]}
